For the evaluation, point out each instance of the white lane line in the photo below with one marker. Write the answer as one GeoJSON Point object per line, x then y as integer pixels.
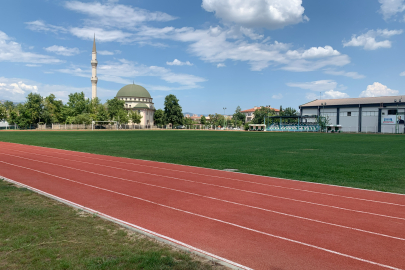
{"type": "Point", "coordinates": [216, 170]}
{"type": "Point", "coordinates": [213, 219]}
{"type": "Point", "coordinates": [213, 198]}
{"type": "Point", "coordinates": [171, 177]}
{"type": "Point", "coordinates": [231, 179]}
{"type": "Point", "coordinates": [67, 202]}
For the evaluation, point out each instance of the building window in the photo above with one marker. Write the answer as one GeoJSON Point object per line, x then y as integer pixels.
{"type": "Point", "coordinates": [392, 112]}
{"type": "Point", "coordinates": [330, 114]}
{"type": "Point", "coordinates": [349, 113]}
{"type": "Point", "coordinates": [370, 113]}
{"type": "Point", "coordinates": [130, 106]}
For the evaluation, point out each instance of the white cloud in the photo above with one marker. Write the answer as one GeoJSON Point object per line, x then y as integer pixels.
{"type": "Point", "coordinates": [221, 65]}
{"type": "Point", "coordinates": [217, 44]}
{"type": "Point", "coordinates": [179, 63]}
{"type": "Point", "coordinates": [61, 50]}
{"type": "Point", "coordinates": [277, 96]}
{"type": "Point", "coordinates": [368, 40]}
{"type": "Point", "coordinates": [377, 89]}
{"type": "Point", "coordinates": [352, 74]}
{"type": "Point", "coordinates": [319, 86]}
{"type": "Point", "coordinates": [332, 94]}
{"type": "Point", "coordinates": [11, 51]}
{"type": "Point", "coordinates": [109, 52]}
{"type": "Point", "coordinates": [125, 71]}
{"type": "Point", "coordinates": [402, 73]}
{"type": "Point", "coordinates": [314, 52]}
{"type": "Point", "coordinates": [40, 26]}
{"type": "Point", "coordinates": [32, 65]}
{"type": "Point", "coordinates": [115, 15]}
{"type": "Point", "coordinates": [102, 35]}
{"type": "Point", "coordinates": [17, 89]}
{"type": "Point", "coordinates": [390, 8]}
{"type": "Point", "coordinates": [270, 14]}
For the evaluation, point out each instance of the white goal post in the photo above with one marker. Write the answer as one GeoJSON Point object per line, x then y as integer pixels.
{"type": "Point", "coordinates": [93, 123]}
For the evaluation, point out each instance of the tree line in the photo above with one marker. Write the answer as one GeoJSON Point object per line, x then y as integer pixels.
{"type": "Point", "coordinates": [81, 110]}
{"type": "Point", "coordinates": [78, 110]}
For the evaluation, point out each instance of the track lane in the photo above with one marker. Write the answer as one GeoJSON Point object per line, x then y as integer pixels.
{"type": "Point", "coordinates": [359, 206]}
{"type": "Point", "coordinates": [379, 225]}
{"type": "Point", "coordinates": [253, 250]}
{"type": "Point", "coordinates": [291, 185]}
{"type": "Point", "coordinates": [217, 207]}
{"type": "Point", "coordinates": [342, 241]}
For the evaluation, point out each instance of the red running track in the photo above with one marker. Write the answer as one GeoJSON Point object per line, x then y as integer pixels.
{"type": "Point", "coordinates": [254, 221]}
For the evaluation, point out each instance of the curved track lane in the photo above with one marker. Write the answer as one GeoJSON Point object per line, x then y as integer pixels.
{"type": "Point", "coordinates": [260, 222]}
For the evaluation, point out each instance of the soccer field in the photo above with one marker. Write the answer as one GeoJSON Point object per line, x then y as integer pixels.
{"type": "Point", "coordinates": [370, 161]}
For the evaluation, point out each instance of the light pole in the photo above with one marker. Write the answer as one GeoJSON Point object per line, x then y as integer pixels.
{"type": "Point", "coordinates": [224, 117]}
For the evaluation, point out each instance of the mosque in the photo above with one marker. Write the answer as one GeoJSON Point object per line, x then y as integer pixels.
{"type": "Point", "coordinates": [136, 97]}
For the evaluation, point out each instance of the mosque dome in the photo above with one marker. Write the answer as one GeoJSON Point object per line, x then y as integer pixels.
{"type": "Point", "coordinates": [133, 90]}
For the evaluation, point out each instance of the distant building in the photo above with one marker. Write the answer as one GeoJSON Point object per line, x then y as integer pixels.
{"type": "Point", "coordinates": [195, 117]}
{"type": "Point", "coordinates": [138, 99]}
{"type": "Point", "coordinates": [249, 113]}
{"type": "Point", "coordinates": [369, 114]}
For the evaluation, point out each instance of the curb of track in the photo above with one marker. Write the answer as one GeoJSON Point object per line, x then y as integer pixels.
{"type": "Point", "coordinates": [214, 260]}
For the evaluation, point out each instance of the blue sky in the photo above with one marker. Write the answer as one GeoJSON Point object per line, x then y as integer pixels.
{"type": "Point", "coordinates": [209, 53]}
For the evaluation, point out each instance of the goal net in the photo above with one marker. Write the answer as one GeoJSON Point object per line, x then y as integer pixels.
{"type": "Point", "coordinates": [104, 125]}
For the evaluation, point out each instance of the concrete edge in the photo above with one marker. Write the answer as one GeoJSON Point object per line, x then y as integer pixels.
{"type": "Point", "coordinates": [211, 257]}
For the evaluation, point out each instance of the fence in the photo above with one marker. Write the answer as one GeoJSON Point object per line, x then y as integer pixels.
{"type": "Point", "coordinates": [385, 129]}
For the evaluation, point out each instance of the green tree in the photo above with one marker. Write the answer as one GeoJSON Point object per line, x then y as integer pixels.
{"type": "Point", "coordinates": [135, 117]}
{"type": "Point", "coordinates": [115, 108]}
{"type": "Point", "coordinates": [52, 109]}
{"type": "Point", "coordinates": [203, 120]}
{"type": "Point", "coordinates": [159, 117]}
{"type": "Point", "coordinates": [9, 105]}
{"type": "Point", "coordinates": [12, 117]}
{"type": "Point", "coordinates": [323, 122]}
{"type": "Point", "coordinates": [123, 117]}
{"type": "Point", "coordinates": [188, 121]}
{"type": "Point", "coordinates": [102, 114]}
{"type": "Point", "coordinates": [238, 118]}
{"type": "Point", "coordinates": [3, 112]}
{"type": "Point", "coordinates": [78, 103]}
{"type": "Point", "coordinates": [32, 110]}
{"type": "Point", "coordinates": [173, 111]}
{"type": "Point", "coordinates": [260, 114]}
{"type": "Point", "coordinates": [83, 118]}
{"type": "Point", "coordinates": [217, 120]}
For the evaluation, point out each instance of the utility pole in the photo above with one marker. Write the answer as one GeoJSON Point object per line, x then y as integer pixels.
{"type": "Point", "coordinates": [224, 117]}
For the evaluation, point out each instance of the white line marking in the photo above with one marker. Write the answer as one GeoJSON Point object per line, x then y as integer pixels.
{"type": "Point", "coordinates": [231, 202]}
{"type": "Point", "coordinates": [214, 219]}
{"type": "Point", "coordinates": [227, 178]}
{"type": "Point", "coordinates": [247, 191]}
{"type": "Point", "coordinates": [129, 224]}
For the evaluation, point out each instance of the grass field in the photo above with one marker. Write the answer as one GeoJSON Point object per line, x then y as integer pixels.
{"type": "Point", "coordinates": [40, 233]}
{"type": "Point", "coordinates": [370, 161]}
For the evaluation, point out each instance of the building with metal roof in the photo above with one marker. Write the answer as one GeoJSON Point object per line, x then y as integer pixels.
{"type": "Point", "coordinates": [365, 114]}
{"type": "Point", "coordinates": [138, 99]}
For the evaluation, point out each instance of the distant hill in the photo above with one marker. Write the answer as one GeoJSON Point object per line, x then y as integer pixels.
{"type": "Point", "coordinates": [191, 114]}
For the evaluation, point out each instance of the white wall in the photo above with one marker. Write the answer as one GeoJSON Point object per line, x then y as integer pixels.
{"type": "Point", "coordinates": [331, 114]}
{"type": "Point", "coordinates": [309, 111]}
{"type": "Point", "coordinates": [349, 123]}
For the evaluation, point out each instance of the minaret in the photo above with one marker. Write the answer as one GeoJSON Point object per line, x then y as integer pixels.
{"type": "Point", "coordinates": [94, 63]}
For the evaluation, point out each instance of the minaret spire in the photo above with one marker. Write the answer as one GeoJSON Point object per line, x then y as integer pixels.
{"type": "Point", "coordinates": [94, 43]}
{"type": "Point", "coordinates": [94, 63]}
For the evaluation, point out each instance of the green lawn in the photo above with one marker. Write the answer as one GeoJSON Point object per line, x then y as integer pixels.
{"type": "Point", "coordinates": [370, 161]}
{"type": "Point", "coordinates": [40, 233]}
